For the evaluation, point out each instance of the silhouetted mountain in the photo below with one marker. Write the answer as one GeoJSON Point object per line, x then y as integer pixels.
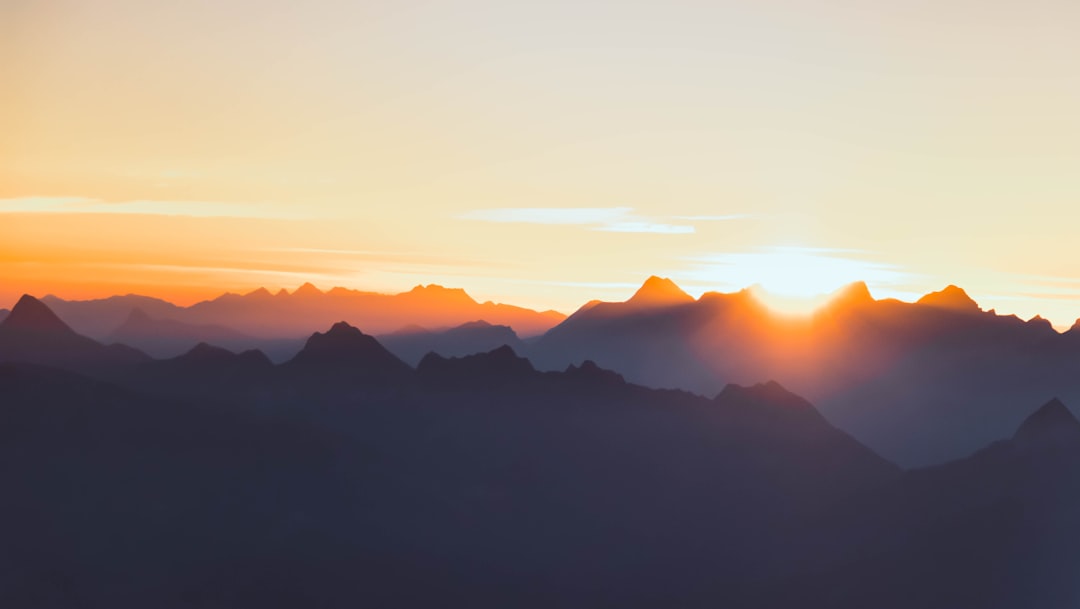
{"type": "Point", "coordinates": [997, 530]}
{"type": "Point", "coordinates": [411, 344]}
{"type": "Point", "coordinates": [207, 372]}
{"type": "Point", "coordinates": [659, 292]}
{"type": "Point", "coordinates": [99, 318]}
{"type": "Point", "coordinates": [4, 314]}
{"type": "Point", "coordinates": [344, 356]}
{"type": "Point", "coordinates": [483, 480]}
{"type": "Point", "coordinates": [33, 334]}
{"type": "Point", "coordinates": [1051, 425]}
{"type": "Point", "coordinates": [951, 297]}
{"type": "Point", "coordinates": [168, 337]}
{"type": "Point", "coordinates": [921, 383]}
{"type": "Point", "coordinates": [308, 309]}
{"type": "Point", "coordinates": [496, 368]}
{"type": "Point", "coordinates": [263, 315]}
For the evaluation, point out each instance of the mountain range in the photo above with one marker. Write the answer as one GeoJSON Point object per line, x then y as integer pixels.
{"type": "Point", "coordinates": [921, 383]}
{"type": "Point", "coordinates": [285, 315]}
{"type": "Point", "coordinates": [344, 477]}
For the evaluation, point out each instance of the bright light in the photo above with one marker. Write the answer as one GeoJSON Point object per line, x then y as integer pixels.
{"type": "Point", "coordinates": [791, 279]}
{"type": "Point", "coordinates": [789, 305]}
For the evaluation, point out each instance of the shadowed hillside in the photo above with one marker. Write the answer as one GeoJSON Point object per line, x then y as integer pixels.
{"type": "Point", "coordinates": [921, 382]}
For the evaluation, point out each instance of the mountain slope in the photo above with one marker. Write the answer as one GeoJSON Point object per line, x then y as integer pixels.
{"type": "Point", "coordinates": [921, 383]}
{"type": "Point", "coordinates": [33, 334]}
{"type": "Point", "coordinates": [412, 344]}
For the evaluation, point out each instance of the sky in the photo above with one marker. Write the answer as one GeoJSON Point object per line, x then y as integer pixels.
{"type": "Point", "coordinates": [542, 153]}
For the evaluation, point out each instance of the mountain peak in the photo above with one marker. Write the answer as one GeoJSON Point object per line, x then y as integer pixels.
{"type": "Point", "coordinates": [1052, 424]}
{"type": "Point", "coordinates": [660, 291]}
{"type": "Point", "coordinates": [308, 289]}
{"type": "Point", "coordinates": [952, 297]}
{"type": "Point", "coordinates": [769, 399]}
{"type": "Point", "coordinates": [443, 294]}
{"type": "Point", "coordinates": [32, 314]}
{"type": "Point", "coordinates": [345, 349]}
{"type": "Point", "coordinates": [855, 293]}
{"type": "Point", "coordinates": [259, 293]}
{"type": "Point", "coordinates": [501, 366]}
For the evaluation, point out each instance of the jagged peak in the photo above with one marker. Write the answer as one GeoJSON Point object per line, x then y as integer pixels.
{"type": "Point", "coordinates": [590, 370]}
{"type": "Point", "coordinates": [281, 293]}
{"type": "Point", "coordinates": [502, 363]}
{"type": "Point", "coordinates": [1051, 424]}
{"type": "Point", "coordinates": [1076, 326]}
{"type": "Point", "coordinates": [951, 297]}
{"type": "Point", "coordinates": [259, 293]}
{"type": "Point", "coordinates": [32, 314]}
{"type": "Point", "coordinates": [659, 291]}
{"type": "Point", "coordinates": [1040, 321]}
{"type": "Point", "coordinates": [308, 289]}
{"type": "Point", "coordinates": [855, 293]}
{"type": "Point", "coordinates": [342, 328]}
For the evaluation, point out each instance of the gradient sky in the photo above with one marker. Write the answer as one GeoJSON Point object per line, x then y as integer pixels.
{"type": "Point", "coordinates": [542, 153]}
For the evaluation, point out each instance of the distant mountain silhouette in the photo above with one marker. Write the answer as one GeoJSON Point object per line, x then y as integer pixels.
{"type": "Point", "coordinates": [3, 314]}
{"type": "Point", "coordinates": [99, 318]}
{"type": "Point", "coordinates": [285, 315]}
{"type": "Point", "coordinates": [411, 344]}
{"type": "Point", "coordinates": [921, 383]}
{"type": "Point", "coordinates": [168, 337]}
{"type": "Point", "coordinates": [497, 368]}
{"type": "Point", "coordinates": [33, 334]}
{"type": "Point", "coordinates": [659, 292]}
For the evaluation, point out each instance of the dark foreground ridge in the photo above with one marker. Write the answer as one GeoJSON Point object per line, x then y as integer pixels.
{"type": "Point", "coordinates": [347, 478]}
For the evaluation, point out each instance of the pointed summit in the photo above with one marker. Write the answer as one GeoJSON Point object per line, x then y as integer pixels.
{"type": "Point", "coordinates": [30, 314]}
{"type": "Point", "coordinates": [1051, 425]}
{"type": "Point", "coordinates": [853, 294]}
{"type": "Point", "coordinates": [952, 298]}
{"type": "Point", "coordinates": [659, 292]}
{"type": "Point", "coordinates": [345, 353]}
{"type": "Point", "coordinates": [308, 289]}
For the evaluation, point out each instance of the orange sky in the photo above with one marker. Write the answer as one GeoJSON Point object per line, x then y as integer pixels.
{"type": "Point", "coordinates": [541, 153]}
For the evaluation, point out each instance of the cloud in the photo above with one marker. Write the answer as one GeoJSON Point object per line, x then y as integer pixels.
{"type": "Point", "coordinates": [720, 218]}
{"type": "Point", "coordinates": [605, 219]}
{"type": "Point", "coordinates": [646, 227]}
{"type": "Point", "coordinates": [197, 209]}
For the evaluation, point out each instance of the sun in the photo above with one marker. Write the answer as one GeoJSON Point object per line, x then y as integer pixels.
{"type": "Point", "coordinates": [797, 280]}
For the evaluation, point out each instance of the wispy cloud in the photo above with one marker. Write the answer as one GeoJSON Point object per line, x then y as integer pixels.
{"type": "Point", "coordinates": [719, 218]}
{"type": "Point", "coordinates": [605, 219]}
{"type": "Point", "coordinates": [198, 209]}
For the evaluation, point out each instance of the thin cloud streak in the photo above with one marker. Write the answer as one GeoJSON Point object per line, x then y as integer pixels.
{"type": "Point", "coordinates": [196, 209]}
{"type": "Point", "coordinates": [603, 219]}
